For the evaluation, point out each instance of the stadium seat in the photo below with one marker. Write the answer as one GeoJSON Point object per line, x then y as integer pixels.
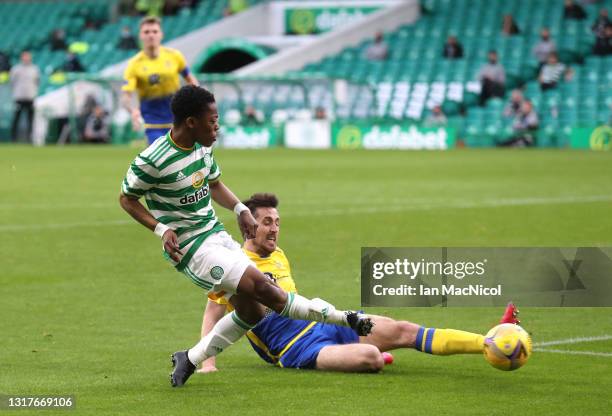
{"type": "Point", "coordinates": [28, 25]}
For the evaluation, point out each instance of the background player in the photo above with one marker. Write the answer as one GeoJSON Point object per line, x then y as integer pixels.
{"type": "Point", "coordinates": [153, 74]}
{"type": "Point", "coordinates": [306, 344]}
{"type": "Point", "coordinates": [179, 178]}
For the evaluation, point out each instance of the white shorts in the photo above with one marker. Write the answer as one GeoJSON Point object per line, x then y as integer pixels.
{"type": "Point", "coordinates": [218, 264]}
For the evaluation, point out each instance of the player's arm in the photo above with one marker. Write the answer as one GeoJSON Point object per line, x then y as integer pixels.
{"type": "Point", "coordinates": [212, 314]}
{"type": "Point", "coordinates": [141, 177]}
{"type": "Point", "coordinates": [191, 80]}
{"type": "Point", "coordinates": [132, 206]}
{"type": "Point", "coordinates": [127, 100]}
{"type": "Point", "coordinates": [184, 69]}
{"type": "Point", "coordinates": [223, 196]}
{"type": "Point", "coordinates": [128, 96]}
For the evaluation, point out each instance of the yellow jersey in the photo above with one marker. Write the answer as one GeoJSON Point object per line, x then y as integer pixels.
{"type": "Point", "coordinates": [275, 266]}
{"type": "Point", "coordinates": [155, 80]}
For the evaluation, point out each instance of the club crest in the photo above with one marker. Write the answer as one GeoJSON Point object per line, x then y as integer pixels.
{"type": "Point", "coordinates": [207, 160]}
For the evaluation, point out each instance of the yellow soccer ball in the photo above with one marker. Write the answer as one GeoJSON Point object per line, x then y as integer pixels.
{"type": "Point", "coordinates": [507, 347]}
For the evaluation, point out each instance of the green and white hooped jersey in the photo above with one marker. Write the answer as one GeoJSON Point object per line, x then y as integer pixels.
{"type": "Point", "coordinates": [175, 184]}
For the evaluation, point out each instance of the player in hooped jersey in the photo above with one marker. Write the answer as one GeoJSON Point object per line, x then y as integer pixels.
{"type": "Point", "coordinates": [153, 74]}
{"type": "Point", "coordinates": [179, 177]}
{"type": "Point", "coordinates": [311, 345]}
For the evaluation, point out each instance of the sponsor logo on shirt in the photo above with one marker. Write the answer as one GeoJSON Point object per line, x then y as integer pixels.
{"type": "Point", "coordinates": [194, 197]}
{"type": "Point", "coordinates": [197, 179]}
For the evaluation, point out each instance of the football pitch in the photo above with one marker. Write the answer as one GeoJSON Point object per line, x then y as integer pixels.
{"type": "Point", "coordinates": [91, 309]}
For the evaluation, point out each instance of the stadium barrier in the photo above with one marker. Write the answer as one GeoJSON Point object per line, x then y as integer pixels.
{"type": "Point", "coordinates": [285, 107]}
{"type": "Point", "coordinates": [599, 138]}
{"type": "Point", "coordinates": [324, 134]}
{"type": "Point", "coordinates": [251, 137]}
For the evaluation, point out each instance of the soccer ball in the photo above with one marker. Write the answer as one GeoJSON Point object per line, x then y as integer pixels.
{"type": "Point", "coordinates": [507, 347]}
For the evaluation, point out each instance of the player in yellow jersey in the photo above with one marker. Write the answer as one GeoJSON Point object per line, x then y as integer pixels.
{"type": "Point", "coordinates": [153, 74]}
{"type": "Point", "coordinates": [305, 344]}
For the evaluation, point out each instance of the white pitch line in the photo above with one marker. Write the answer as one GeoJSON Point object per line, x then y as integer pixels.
{"type": "Point", "coordinates": [572, 341]}
{"type": "Point", "coordinates": [572, 352]}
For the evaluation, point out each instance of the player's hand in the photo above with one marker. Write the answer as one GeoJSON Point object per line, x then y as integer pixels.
{"type": "Point", "coordinates": [136, 120]}
{"type": "Point", "coordinates": [171, 245]}
{"type": "Point", "coordinates": [247, 224]}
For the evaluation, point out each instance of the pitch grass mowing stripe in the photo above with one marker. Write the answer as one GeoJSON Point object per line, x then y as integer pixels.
{"type": "Point", "coordinates": [456, 204]}
{"type": "Point", "coordinates": [361, 210]}
{"type": "Point", "coordinates": [53, 226]}
{"type": "Point", "coordinates": [407, 204]}
{"type": "Point", "coordinates": [54, 282]}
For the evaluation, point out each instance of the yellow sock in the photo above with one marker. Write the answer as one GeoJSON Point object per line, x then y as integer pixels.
{"type": "Point", "coordinates": [448, 341]}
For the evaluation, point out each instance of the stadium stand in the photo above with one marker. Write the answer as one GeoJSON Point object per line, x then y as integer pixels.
{"type": "Point", "coordinates": [414, 78]}
{"type": "Point", "coordinates": [28, 25]}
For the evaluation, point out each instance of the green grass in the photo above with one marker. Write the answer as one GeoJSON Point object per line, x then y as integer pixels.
{"type": "Point", "coordinates": [90, 308]}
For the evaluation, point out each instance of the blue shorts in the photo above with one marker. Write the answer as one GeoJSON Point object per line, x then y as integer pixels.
{"type": "Point", "coordinates": [154, 134]}
{"type": "Point", "coordinates": [304, 353]}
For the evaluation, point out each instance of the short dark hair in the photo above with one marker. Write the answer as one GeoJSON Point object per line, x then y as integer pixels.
{"type": "Point", "coordinates": [190, 101]}
{"type": "Point", "coordinates": [150, 20]}
{"type": "Point", "coordinates": [261, 200]}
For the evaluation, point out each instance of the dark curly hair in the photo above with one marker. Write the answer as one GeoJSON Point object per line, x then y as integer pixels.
{"type": "Point", "coordinates": [190, 101]}
{"type": "Point", "coordinates": [261, 200]}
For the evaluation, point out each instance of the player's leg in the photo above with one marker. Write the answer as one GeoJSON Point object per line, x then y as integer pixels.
{"type": "Point", "coordinates": [220, 263]}
{"type": "Point", "coordinates": [252, 287]}
{"type": "Point", "coordinates": [253, 290]}
{"type": "Point", "coordinates": [258, 287]}
{"type": "Point", "coordinates": [391, 334]}
{"type": "Point", "coordinates": [228, 330]}
{"type": "Point", "coordinates": [255, 285]}
{"type": "Point", "coordinates": [216, 267]}
{"type": "Point", "coordinates": [213, 312]}
{"type": "Point", "coordinates": [358, 358]}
